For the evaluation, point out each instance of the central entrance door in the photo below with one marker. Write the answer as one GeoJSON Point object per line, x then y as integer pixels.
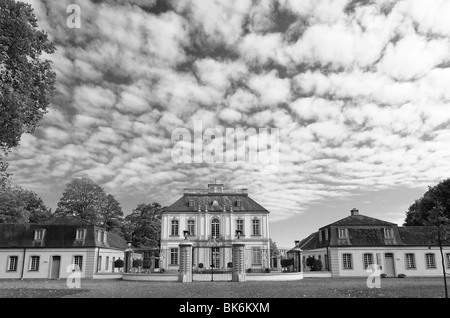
{"type": "Point", "coordinates": [390, 271]}
{"type": "Point", "coordinates": [56, 262]}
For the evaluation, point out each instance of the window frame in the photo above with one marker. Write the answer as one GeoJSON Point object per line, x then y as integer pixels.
{"type": "Point", "coordinates": [258, 221]}
{"type": "Point", "coordinates": [257, 256]}
{"type": "Point", "coordinates": [36, 238]}
{"type": "Point", "coordinates": [173, 225]}
{"type": "Point", "coordinates": [174, 251]}
{"type": "Point", "coordinates": [215, 227]}
{"type": "Point", "coordinates": [434, 261]}
{"type": "Point", "coordinates": [191, 227]}
{"type": "Point", "coordinates": [388, 233]}
{"type": "Point", "coordinates": [366, 266]}
{"type": "Point", "coordinates": [30, 268]}
{"type": "Point", "coordinates": [74, 258]}
{"type": "Point", "coordinates": [343, 261]}
{"type": "Point", "coordinates": [413, 261]}
{"type": "Point", "coordinates": [8, 268]}
{"type": "Point", "coordinates": [243, 225]}
{"type": "Point", "coordinates": [344, 231]}
{"type": "Point", "coordinates": [83, 236]}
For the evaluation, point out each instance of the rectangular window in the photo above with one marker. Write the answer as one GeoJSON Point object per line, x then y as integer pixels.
{"type": "Point", "coordinates": [410, 261]}
{"type": "Point", "coordinates": [256, 256]}
{"type": "Point", "coordinates": [447, 256]}
{"type": "Point", "coordinates": [105, 237]}
{"type": "Point", "coordinates": [34, 266]}
{"type": "Point", "coordinates": [191, 227]}
{"type": "Point", "coordinates": [78, 260]}
{"type": "Point", "coordinates": [107, 263]}
{"type": "Point", "coordinates": [388, 233]}
{"type": "Point", "coordinates": [368, 260]}
{"type": "Point", "coordinates": [38, 235]}
{"type": "Point", "coordinates": [174, 230]}
{"type": "Point", "coordinates": [430, 261]}
{"type": "Point", "coordinates": [256, 229]}
{"type": "Point", "coordinates": [81, 234]}
{"type": "Point", "coordinates": [240, 225]}
{"type": "Point", "coordinates": [342, 233]}
{"type": "Point", "coordinates": [99, 265]}
{"type": "Point", "coordinates": [347, 261]}
{"type": "Point", "coordinates": [174, 256]}
{"type": "Point", "coordinates": [13, 260]}
{"type": "Point", "coordinates": [326, 235]}
{"type": "Point", "coordinates": [191, 203]}
{"type": "Point", "coordinates": [239, 203]}
{"type": "Point", "coordinates": [99, 236]}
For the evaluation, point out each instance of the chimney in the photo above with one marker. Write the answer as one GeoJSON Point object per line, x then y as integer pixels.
{"type": "Point", "coordinates": [354, 211]}
{"type": "Point", "coordinates": [297, 243]}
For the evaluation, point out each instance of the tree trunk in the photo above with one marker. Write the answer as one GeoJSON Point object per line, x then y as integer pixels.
{"type": "Point", "coordinates": [443, 265]}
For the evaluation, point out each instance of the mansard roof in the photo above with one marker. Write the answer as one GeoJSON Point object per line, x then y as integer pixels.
{"type": "Point", "coordinates": [59, 233]}
{"type": "Point", "coordinates": [359, 220]}
{"type": "Point", "coordinates": [222, 201]}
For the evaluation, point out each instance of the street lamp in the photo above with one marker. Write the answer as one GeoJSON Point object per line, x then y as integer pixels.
{"type": "Point", "coordinates": [212, 243]}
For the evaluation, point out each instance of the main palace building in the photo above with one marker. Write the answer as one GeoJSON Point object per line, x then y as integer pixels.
{"type": "Point", "coordinates": [211, 216]}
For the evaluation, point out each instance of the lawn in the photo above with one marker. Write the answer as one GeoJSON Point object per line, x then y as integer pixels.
{"type": "Point", "coordinates": [308, 288]}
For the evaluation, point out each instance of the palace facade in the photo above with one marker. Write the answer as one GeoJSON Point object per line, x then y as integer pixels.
{"type": "Point", "coordinates": [209, 218]}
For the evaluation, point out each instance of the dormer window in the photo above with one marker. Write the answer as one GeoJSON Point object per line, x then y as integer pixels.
{"type": "Point", "coordinates": [105, 237]}
{"type": "Point", "coordinates": [388, 233]}
{"type": "Point", "coordinates": [81, 234]}
{"type": "Point", "coordinates": [191, 203]}
{"type": "Point", "coordinates": [39, 235]}
{"type": "Point", "coordinates": [215, 202]}
{"type": "Point", "coordinates": [326, 235]}
{"type": "Point", "coordinates": [239, 203]}
{"type": "Point", "coordinates": [342, 233]}
{"type": "Point", "coordinates": [320, 236]}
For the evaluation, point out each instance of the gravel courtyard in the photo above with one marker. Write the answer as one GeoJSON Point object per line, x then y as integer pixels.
{"type": "Point", "coordinates": [307, 288]}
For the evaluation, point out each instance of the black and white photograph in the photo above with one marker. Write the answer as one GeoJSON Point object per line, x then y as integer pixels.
{"type": "Point", "coordinates": [225, 153]}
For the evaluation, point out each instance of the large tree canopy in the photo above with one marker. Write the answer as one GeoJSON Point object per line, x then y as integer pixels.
{"type": "Point", "coordinates": [26, 80]}
{"type": "Point", "coordinates": [439, 195]}
{"type": "Point", "coordinates": [143, 226]}
{"type": "Point", "coordinates": [22, 206]}
{"type": "Point", "coordinates": [86, 199]}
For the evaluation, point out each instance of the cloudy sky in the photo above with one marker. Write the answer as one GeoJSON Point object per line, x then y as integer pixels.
{"type": "Point", "coordinates": [360, 91]}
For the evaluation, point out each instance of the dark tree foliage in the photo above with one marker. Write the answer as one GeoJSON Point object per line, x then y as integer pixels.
{"type": "Point", "coordinates": [19, 205]}
{"type": "Point", "coordinates": [26, 80]}
{"type": "Point", "coordinates": [143, 226]}
{"type": "Point", "coordinates": [88, 200]}
{"type": "Point", "coordinates": [439, 195]}
{"type": "Point", "coordinates": [310, 262]}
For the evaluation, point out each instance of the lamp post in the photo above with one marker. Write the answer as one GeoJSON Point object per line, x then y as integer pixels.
{"type": "Point", "coordinates": [299, 251]}
{"type": "Point", "coordinates": [212, 243]}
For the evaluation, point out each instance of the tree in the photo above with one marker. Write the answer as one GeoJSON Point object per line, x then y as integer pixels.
{"type": "Point", "coordinates": [83, 197]}
{"type": "Point", "coordinates": [438, 232]}
{"type": "Point", "coordinates": [22, 206]}
{"type": "Point", "coordinates": [439, 194]}
{"type": "Point", "coordinates": [143, 226]}
{"type": "Point", "coordinates": [119, 264]}
{"type": "Point", "coordinates": [273, 248]}
{"type": "Point", "coordinates": [432, 210]}
{"type": "Point", "coordinates": [111, 213]}
{"type": "Point", "coordinates": [317, 266]}
{"type": "Point", "coordinates": [27, 82]}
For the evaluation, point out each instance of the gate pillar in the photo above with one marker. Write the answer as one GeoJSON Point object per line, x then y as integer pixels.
{"type": "Point", "coordinates": [185, 274]}
{"type": "Point", "coordinates": [238, 262]}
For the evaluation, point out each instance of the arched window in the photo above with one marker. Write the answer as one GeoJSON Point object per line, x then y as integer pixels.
{"type": "Point", "coordinates": [215, 225]}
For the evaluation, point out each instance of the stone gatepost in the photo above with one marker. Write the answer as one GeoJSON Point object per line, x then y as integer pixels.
{"type": "Point", "coordinates": [185, 274]}
{"type": "Point", "coordinates": [238, 262]}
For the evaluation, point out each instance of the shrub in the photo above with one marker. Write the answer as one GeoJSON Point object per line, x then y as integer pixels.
{"type": "Point", "coordinates": [401, 276]}
{"type": "Point", "coordinates": [287, 262]}
{"type": "Point", "coordinates": [310, 262]}
{"type": "Point", "coordinates": [147, 263]}
{"type": "Point", "coordinates": [137, 263]}
{"type": "Point", "coordinates": [317, 266]}
{"type": "Point", "coordinates": [119, 263]}
{"type": "Point", "coordinates": [230, 265]}
{"type": "Point", "coordinates": [249, 270]}
{"type": "Point", "coordinates": [267, 270]}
